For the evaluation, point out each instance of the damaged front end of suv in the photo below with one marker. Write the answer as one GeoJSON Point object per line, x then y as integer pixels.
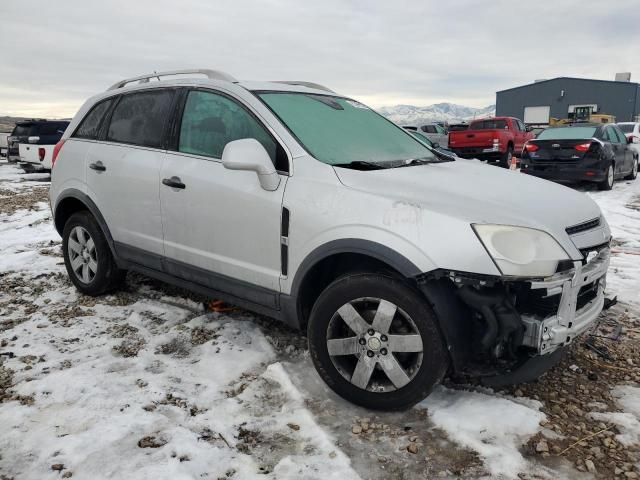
{"type": "Point", "coordinates": [511, 328]}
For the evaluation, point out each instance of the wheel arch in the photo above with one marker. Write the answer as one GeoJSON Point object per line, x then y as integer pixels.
{"type": "Point", "coordinates": [72, 201]}
{"type": "Point", "coordinates": [334, 259]}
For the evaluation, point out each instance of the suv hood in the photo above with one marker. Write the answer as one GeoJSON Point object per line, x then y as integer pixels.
{"type": "Point", "coordinates": [479, 193]}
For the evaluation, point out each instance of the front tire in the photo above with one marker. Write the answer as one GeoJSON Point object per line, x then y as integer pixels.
{"type": "Point", "coordinates": [87, 256]}
{"type": "Point", "coordinates": [634, 171]}
{"type": "Point", "coordinates": [374, 340]}
{"type": "Point", "coordinates": [607, 183]}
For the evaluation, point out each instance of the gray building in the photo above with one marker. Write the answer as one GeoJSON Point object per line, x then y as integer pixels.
{"type": "Point", "coordinates": [560, 97]}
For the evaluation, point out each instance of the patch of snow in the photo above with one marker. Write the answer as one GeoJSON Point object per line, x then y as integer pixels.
{"type": "Point", "coordinates": [621, 208]}
{"type": "Point", "coordinates": [494, 427]}
{"type": "Point", "coordinates": [628, 421]}
{"type": "Point", "coordinates": [21, 234]}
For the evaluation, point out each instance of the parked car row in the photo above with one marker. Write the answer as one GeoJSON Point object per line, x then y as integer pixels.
{"type": "Point", "coordinates": [32, 142]}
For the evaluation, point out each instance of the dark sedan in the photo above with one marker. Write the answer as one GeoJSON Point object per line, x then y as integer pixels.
{"type": "Point", "coordinates": [581, 152]}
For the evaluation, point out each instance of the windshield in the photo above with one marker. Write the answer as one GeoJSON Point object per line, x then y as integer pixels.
{"type": "Point", "coordinates": [567, 133]}
{"type": "Point", "coordinates": [627, 127]}
{"type": "Point", "coordinates": [337, 130]}
{"type": "Point", "coordinates": [488, 125]}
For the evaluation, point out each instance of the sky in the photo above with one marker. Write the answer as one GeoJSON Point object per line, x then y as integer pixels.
{"type": "Point", "coordinates": [57, 54]}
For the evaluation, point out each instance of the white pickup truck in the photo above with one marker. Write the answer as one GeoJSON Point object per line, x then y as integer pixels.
{"type": "Point", "coordinates": [35, 157]}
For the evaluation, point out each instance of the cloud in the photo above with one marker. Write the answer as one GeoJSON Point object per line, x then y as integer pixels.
{"type": "Point", "coordinates": [59, 53]}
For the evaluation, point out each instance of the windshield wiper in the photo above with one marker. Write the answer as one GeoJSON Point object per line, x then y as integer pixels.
{"type": "Point", "coordinates": [361, 165]}
{"type": "Point", "coordinates": [424, 161]}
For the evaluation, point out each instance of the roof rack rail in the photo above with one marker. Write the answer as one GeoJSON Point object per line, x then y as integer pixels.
{"type": "Point", "coordinates": [317, 86]}
{"type": "Point", "coordinates": [212, 74]}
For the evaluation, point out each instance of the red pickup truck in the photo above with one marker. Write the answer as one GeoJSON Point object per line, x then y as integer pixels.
{"type": "Point", "coordinates": [493, 139]}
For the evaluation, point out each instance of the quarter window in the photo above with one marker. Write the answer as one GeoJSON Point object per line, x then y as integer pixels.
{"type": "Point", "coordinates": [140, 118]}
{"type": "Point", "coordinates": [611, 136]}
{"type": "Point", "coordinates": [621, 138]}
{"type": "Point", "coordinates": [90, 125]}
{"type": "Point", "coordinates": [210, 121]}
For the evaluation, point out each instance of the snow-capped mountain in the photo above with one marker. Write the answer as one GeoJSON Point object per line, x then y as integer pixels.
{"type": "Point", "coordinates": [439, 112]}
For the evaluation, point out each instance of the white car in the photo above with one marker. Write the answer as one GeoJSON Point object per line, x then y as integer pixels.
{"type": "Point", "coordinates": [433, 132]}
{"type": "Point", "coordinates": [632, 132]}
{"type": "Point", "coordinates": [294, 201]}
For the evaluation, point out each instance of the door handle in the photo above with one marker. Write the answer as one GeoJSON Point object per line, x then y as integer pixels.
{"type": "Point", "coordinates": [174, 182]}
{"type": "Point", "coordinates": [97, 166]}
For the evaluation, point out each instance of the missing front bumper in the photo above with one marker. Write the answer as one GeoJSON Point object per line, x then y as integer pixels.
{"type": "Point", "coordinates": [581, 299]}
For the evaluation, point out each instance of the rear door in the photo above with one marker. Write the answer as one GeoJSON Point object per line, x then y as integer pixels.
{"type": "Point", "coordinates": [619, 149]}
{"type": "Point", "coordinates": [626, 148]}
{"type": "Point", "coordinates": [123, 173]}
{"type": "Point", "coordinates": [221, 228]}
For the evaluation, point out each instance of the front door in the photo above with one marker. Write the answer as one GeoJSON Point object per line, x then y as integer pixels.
{"type": "Point", "coordinates": [221, 229]}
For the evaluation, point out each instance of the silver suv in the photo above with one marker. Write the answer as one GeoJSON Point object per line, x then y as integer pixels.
{"type": "Point", "coordinates": [296, 202]}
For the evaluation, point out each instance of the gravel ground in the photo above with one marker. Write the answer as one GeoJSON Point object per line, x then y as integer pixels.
{"type": "Point", "coordinates": [272, 417]}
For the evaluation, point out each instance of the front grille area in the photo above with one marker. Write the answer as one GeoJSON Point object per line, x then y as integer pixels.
{"type": "Point", "coordinates": [583, 227]}
{"type": "Point", "coordinates": [586, 294]}
{"type": "Point", "coordinates": [534, 302]}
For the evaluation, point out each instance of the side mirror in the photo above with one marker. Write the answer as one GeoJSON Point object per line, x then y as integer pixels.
{"type": "Point", "coordinates": [528, 129]}
{"type": "Point", "coordinates": [33, 139]}
{"type": "Point", "coordinates": [435, 145]}
{"type": "Point", "coordinates": [249, 154]}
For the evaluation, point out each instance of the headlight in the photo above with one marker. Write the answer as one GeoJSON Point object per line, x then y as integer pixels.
{"type": "Point", "coordinates": [521, 252]}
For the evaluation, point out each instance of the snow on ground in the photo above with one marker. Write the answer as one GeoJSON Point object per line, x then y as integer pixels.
{"type": "Point", "coordinates": [145, 384]}
{"type": "Point", "coordinates": [491, 425]}
{"type": "Point", "coordinates": [621, 208]}
{"type": "Point", "coordinates": [628, 398]}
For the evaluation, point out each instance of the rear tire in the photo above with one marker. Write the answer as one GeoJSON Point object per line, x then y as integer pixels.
{"type": "Point", "coordinates": [507, 157]}
{"type": "Point", "coordinates": [387, 316]}
{"type": "Point", "coordinates": [87, 256]}
{"type": "Point", "coordinates": [607, 183]}
{"type": "Point", "coordinates": [634, 170]}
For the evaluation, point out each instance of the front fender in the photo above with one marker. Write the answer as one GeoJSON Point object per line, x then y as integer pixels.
{"type": "Point", "coordinates": [395, 251]}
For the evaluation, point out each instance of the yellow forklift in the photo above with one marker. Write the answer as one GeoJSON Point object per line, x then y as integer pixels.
{"type": "Point", "coordinates": [584, 115]}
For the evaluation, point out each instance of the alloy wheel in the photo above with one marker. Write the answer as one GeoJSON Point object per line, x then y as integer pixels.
{"type": "Point", "coordinates": [82, 254]}
{"type": "Point", "coordinates": [374, 344]}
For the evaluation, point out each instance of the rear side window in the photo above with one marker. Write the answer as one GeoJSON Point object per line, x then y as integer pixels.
{"type": "Point", "coordinates": [140, 118]}
{"type": "Point", "coordinates": [210, 121]}
{"type": "Point", "coordinates": [90, 125]}
{"type": "Point", "coordinates": [621, 137]}
{"type": "Point", "coordinates": [611, 136]}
